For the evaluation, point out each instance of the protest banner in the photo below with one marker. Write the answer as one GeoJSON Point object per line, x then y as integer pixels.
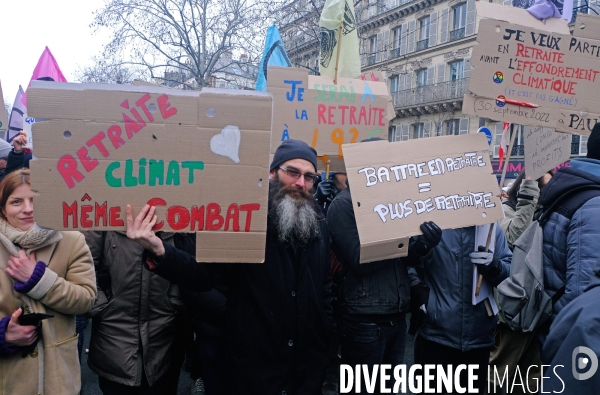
{"type": "Point", "coordinates": [106, 146]}
{"type": "Point", "coordinates": [533, 74]}
{"type": "Point", "coordinates": [544, 150]}
{"type": "Point", "coordinates": [398, 186]}
{"type": "Point", "coordinates": [274, 55]}
{"type": "Point", "coordinates": [312, 109]}
{"type": "Point", "coordinates": [3, 116]}
{"type": "Point", "coordinates": [16, 121]}
{"type": "Point", "coordinates": [28, 128]}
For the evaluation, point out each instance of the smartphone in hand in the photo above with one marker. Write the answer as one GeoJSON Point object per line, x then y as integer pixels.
{"type": "Point", "coordinates": [33, 319]}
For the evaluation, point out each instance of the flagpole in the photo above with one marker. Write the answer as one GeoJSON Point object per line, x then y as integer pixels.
{"type": "Point", "coordinates": [337, 58]}
{"type": "Point", "coordinates": [510, 147]}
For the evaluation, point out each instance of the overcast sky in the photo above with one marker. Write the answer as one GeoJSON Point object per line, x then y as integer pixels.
{"type": "Point", "coordinates": [30, 25]}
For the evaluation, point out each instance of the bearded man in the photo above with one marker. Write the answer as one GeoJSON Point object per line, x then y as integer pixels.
{"type": "Point", "coordinates": [278, 313]}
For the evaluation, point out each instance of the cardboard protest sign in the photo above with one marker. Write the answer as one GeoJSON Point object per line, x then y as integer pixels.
{"type": "Point", "coordinates": [312, 109]}
{"type": "Point", "coordinates": [532, 74]}
{"type": "Point", "coordinates": [106, 146]}
{"type": "Point", "coordinates": [3, 115]}
{"type": "Point", "coordinates": [398, 186]}
{"type": "Point", "coordinates": [544, 150]}
{"type": "Point", "coordinates": [27, 128]}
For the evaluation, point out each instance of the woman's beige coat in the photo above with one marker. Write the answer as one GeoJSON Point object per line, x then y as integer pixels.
{"type": "Point", "coordinates": [53, 368]}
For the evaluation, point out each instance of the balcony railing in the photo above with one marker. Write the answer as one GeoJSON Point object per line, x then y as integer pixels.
{"type": "Point", "coordinates": [370, 60]}
{"type": "Point", "coordinates": [451, 90]}
{"type": "Point", "coordinates": [518, 150]}
{"type": "Point", "coordinates": [422, 44]}
{"type": "Point", "coordinates": [394, 53]}
{"type": "Point", "coordinates": [457, 34]}
{"type": "Point", "coordinates": [373, 11]}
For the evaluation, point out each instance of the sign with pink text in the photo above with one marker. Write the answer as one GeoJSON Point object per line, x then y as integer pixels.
{"type": "Point", "coordinates": [105, 146]}
{"type": "Point", "coordinates": [327, 115]}
{"type": "Point", "coordinates": [529, 74]}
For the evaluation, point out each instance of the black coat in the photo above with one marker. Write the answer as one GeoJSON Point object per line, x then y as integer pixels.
{"type": "Point", "coordinates": [279, 314]}
{"type": "Point", "coordinates": [207, 308]}
{"type": "Point", "coordinates": [15, 161]}
{"type": "Point", "coordinates": [375, 288]}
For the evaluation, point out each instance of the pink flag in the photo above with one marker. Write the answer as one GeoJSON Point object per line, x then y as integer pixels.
{"type": "Point", "coordinates": [503, 143]}
{"type": "Point", "coordinates": [46, 69]}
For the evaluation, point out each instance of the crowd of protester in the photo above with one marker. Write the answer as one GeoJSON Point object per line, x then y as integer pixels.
{"type": "Point", "coordinates": [285, 326]}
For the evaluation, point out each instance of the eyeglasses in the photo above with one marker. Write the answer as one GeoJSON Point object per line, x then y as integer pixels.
{"type": "Point", "coordinates": [309, 178]}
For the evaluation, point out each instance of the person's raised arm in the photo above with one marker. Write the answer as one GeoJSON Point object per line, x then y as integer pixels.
{"type": "Point", "coordinates": [166, 260]}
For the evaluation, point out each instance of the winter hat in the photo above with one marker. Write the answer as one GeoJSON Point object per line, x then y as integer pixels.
{"type": "Point", "coordinates": [506, 188]}
{"type": "Point", "coordinates": [5, 149]}
{"type": "Point", "coordinates": [293, 149]}
{"type": "Point", "coordinates": [593, 143]}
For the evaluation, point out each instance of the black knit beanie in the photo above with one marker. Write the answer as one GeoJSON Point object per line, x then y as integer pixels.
{"type": "Point", "coordinates": [593, 143]}
{"type": "Point", "coordinates": [293, 149]}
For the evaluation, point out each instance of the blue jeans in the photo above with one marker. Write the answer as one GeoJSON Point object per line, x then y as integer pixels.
{"type": "Point", "coordinates": [373, 343]}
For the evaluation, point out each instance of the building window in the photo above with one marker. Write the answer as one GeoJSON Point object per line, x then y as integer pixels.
{"type": "Point", "coordinates": [394, 83]}
{"type": "Point", "coordinates": [372, 49]}
{"type": "Point", "coordinates": [519, 144]}
{"type": "Point", "coordinates": [453, 127]}
{"type": "Point", "coordinates": [459, 20]}
{"type": "Point", "coordinates": [424, 28]}
{"type": "Point", "coordinates": [456, 70]}
{"type": "Point", "coordinates": [422, 77]}
{"type": "Point", "coordinates": [397, 35]}
{"type": "Point", "coordinates": [423, 42]}
{"type": "Point", "coordinates": [372, 8]}
{"type": "Point", "coordinates": [578, 145]}
{"type": "Point", "coordinates": [419, 131]}
{"type": "Point", "coordinates": [401, 133]}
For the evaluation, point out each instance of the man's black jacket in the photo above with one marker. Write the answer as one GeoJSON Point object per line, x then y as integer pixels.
{"type": "Point", "coordinates": [278, 317]}
{"type": "Point", "coordinates": [373, 288]}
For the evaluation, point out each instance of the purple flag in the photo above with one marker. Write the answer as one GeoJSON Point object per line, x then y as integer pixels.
{"type": "Point", "coordinates": [15, 123]}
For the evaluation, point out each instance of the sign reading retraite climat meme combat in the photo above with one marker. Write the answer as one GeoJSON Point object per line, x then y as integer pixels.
{"type": "Point", "coordinates": [398, 186]}
{"type": "Point", "coordinates": [535, 73]}
{"type": "Point", "coordinates": [106, 146]}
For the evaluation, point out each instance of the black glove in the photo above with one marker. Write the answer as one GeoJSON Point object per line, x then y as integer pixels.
{"type": "Point", "coordinates": [326, 191]}
{"type": "Point", "coordinates": [486, 264]}
{"type": "Point", "coordinates": [419, 296]}
{"type": "Point", "coordinates": [318, 180]}
{"type": "Point", "coordinates": [432, 234]}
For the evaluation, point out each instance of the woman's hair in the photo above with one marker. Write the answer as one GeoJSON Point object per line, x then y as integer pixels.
{"type": "Point", "coordinates": [514, 189]}
{"type": "Point", "coordinates": [8, 185]}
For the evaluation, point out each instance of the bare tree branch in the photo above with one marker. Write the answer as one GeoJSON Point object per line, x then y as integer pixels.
{"type": "Point", "coordinates": [195, 37]}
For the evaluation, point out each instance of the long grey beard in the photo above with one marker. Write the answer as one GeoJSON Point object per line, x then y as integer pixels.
{"type": "Point", "coordinates": [296, 220]}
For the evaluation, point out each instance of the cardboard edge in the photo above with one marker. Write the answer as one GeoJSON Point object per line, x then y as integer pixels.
{"type": "Point", "coordinates": [519, 16]}
{"type": "Point", "coordinates": [389, 246]}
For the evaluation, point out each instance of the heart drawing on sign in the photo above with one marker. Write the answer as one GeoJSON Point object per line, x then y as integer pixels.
{"type": "Point", "coordinates": [227, 143]}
